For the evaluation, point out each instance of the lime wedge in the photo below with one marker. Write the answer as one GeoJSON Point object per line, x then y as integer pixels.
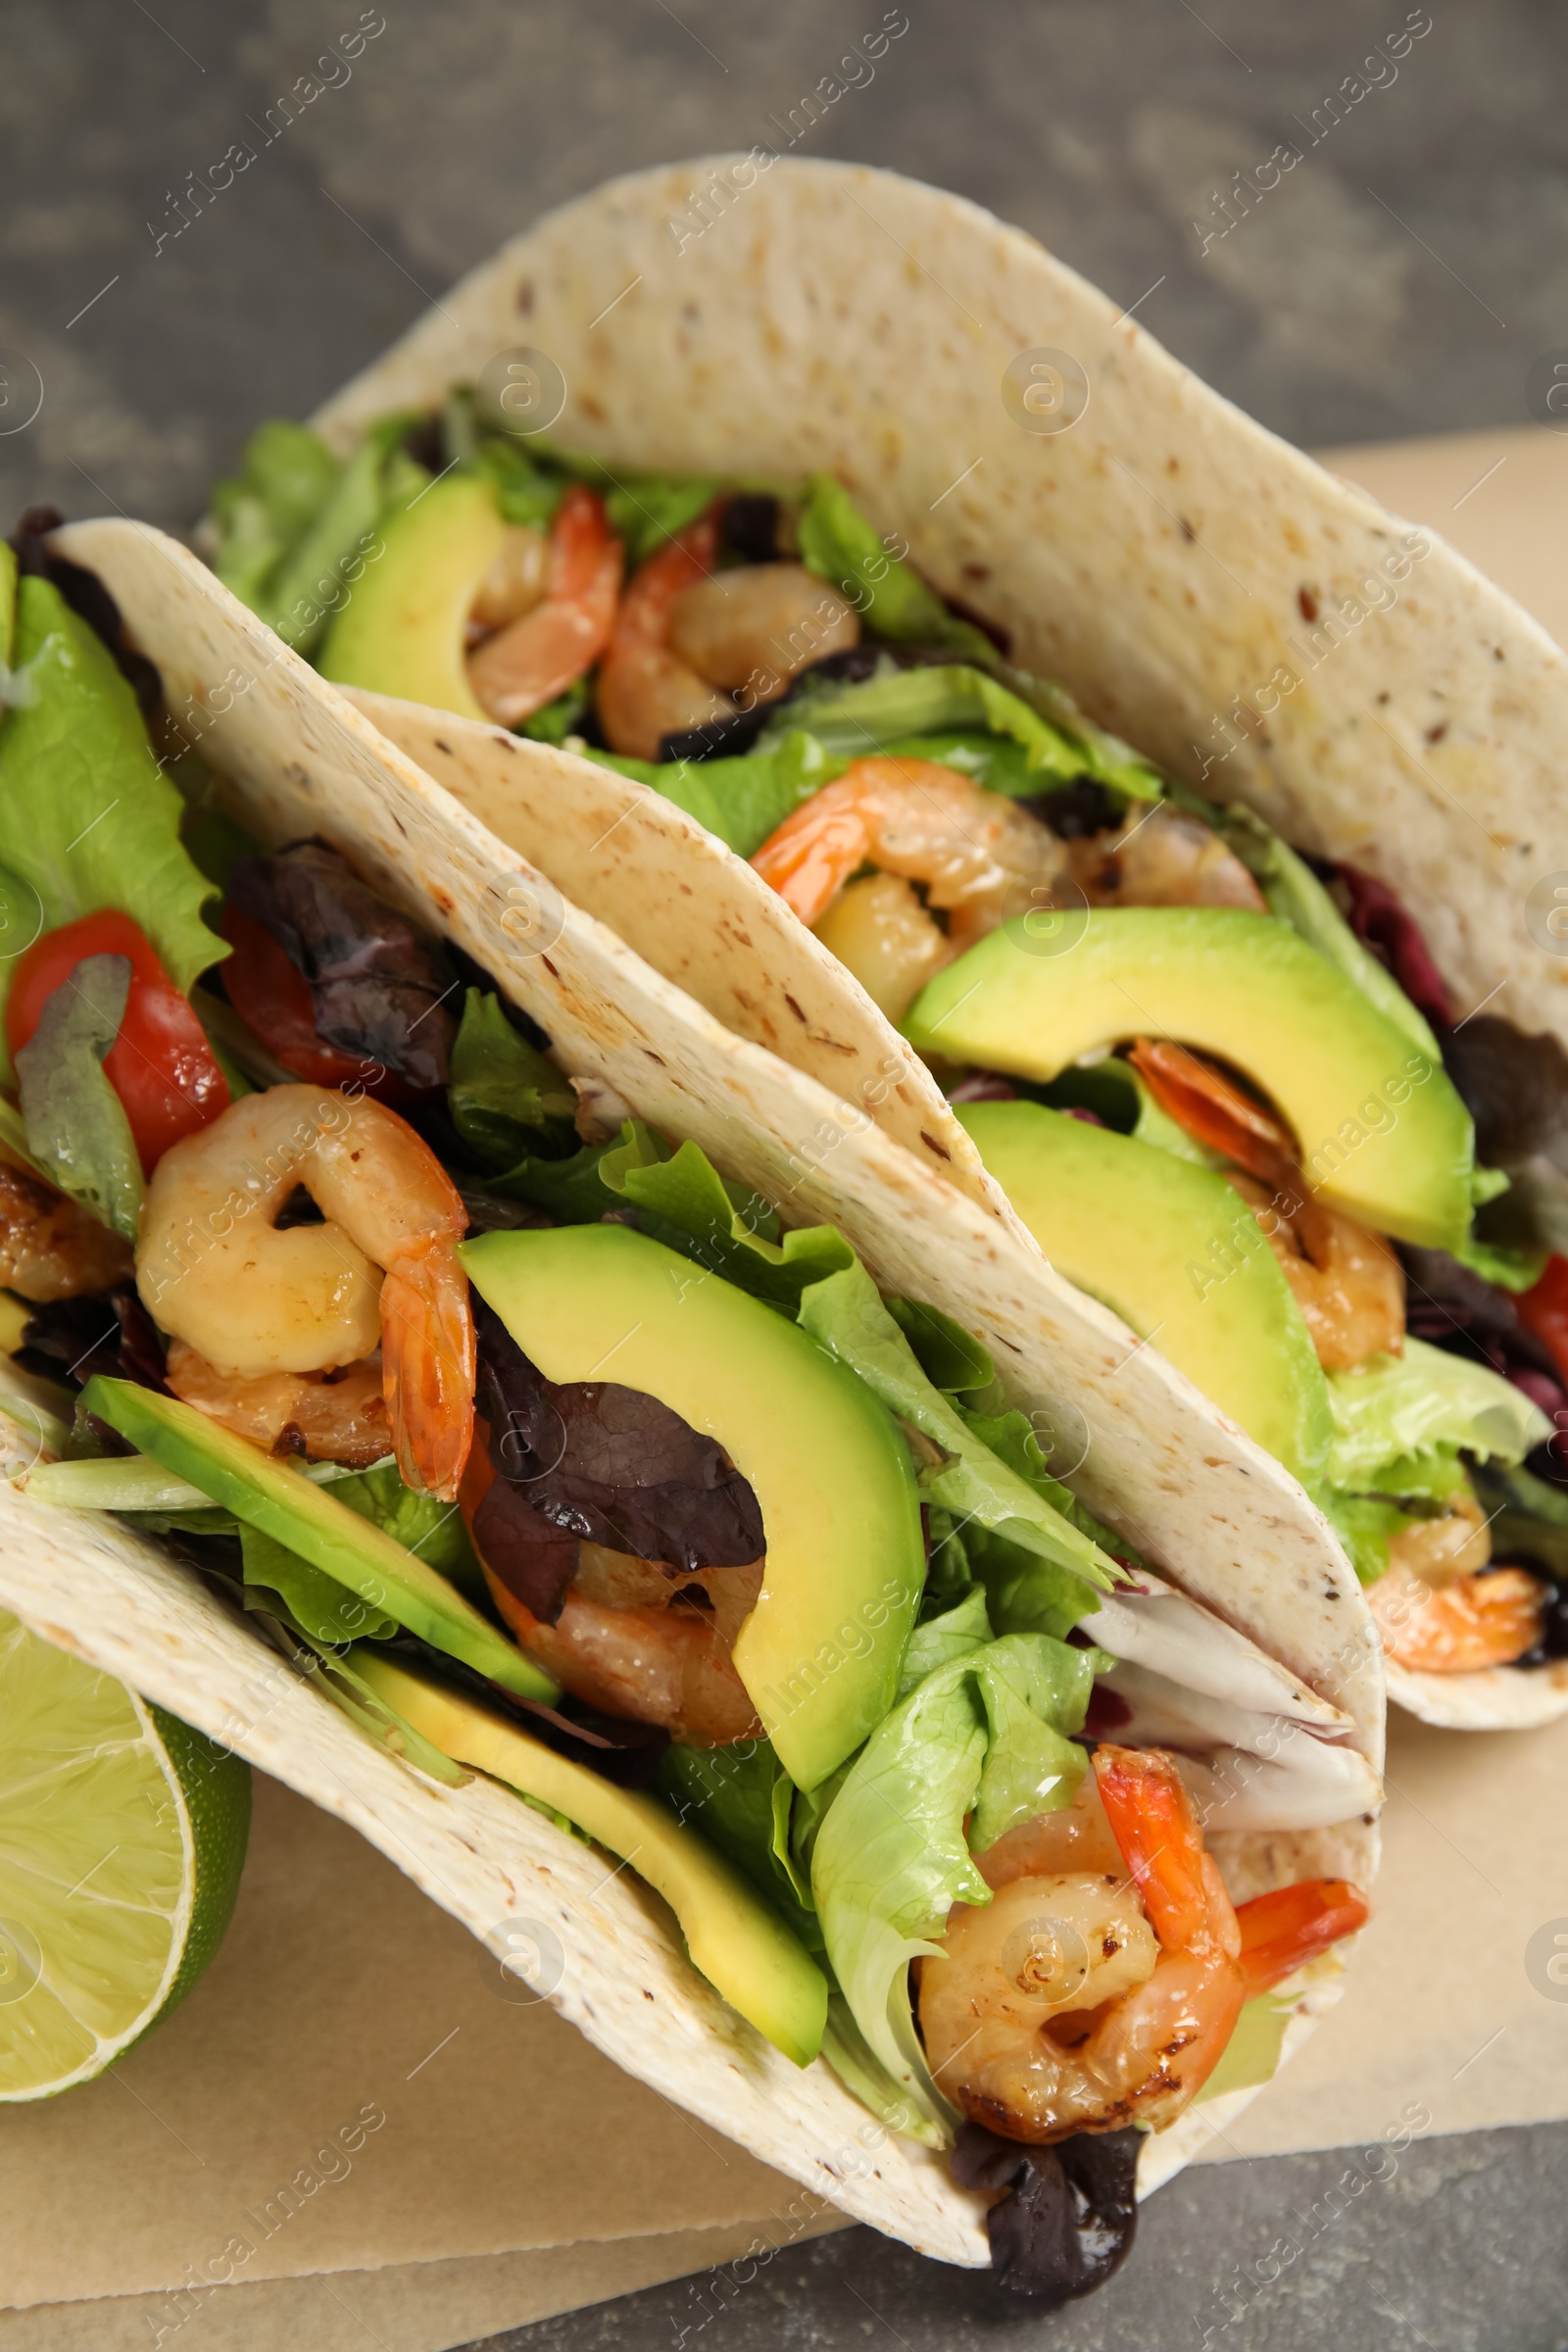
{"type": "Point", "coordinates": [121, 1841]}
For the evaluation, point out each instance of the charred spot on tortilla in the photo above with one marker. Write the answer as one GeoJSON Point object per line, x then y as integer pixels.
{"type": "Point", "coordinates": [932, 1145]}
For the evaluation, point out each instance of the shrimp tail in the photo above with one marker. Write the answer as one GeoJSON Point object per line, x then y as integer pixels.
{"type": "Point", "coordinates": [428, 1366]}
{"type": "Point", "coordinates": [1283, 1930]}
{"type": "Point", "coordinates": [1150, 1818]}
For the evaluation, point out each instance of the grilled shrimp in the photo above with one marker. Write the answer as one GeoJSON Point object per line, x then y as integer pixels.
{"type": "Point", "coordinates": [1101, 1982]}
{"type": "Point", "coordinates": [646, 691]}
{"type": "Point", "coordinates": [326, 1416]}
{"type": "Point", "coordinates": [637, 1637]}
{"type": "Point", "coordinates": [753, 629]}
{"type": "Point", "coordinates": [557, 636]}
{"type": "Point", "coordinates": [253, 1300]}
{"type": "Point", "coordinates": [1440, 1608]}
{"type": "Point", "coordinates": [49, 1246]}
{"type": "Point", "coordinates": [979, 858]}
{"type": "Point", "coordinates": [1163, 856]}
{"type": "Point", "coordinates": [1347, 1280]}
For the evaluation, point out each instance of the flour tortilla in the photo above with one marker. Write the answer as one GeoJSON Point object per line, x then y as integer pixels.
{"type": "Point", "coordinates": [1220, 1517]}
{"type": "Point", "coordinates": [1169, 561]}
{"type": "Point", "coordinates": [1160, 558]}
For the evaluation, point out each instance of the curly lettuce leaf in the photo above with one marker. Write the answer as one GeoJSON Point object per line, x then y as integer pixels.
{"type": "Point", "coordinates": [286, 476]}
{"type": "Point", "coordinates": [842, 547]}
{"type": "Point", "coordinates": [846, 1316]}
{"type": "Point", "coordinates": [895, 704]}
{"type": "Point", "coordinates": [1393, 1406]}
{"type": "Point", "coordinates": [87, 819]}
{"type": "Point", "coordinates": [1025, 1592]}
{"type": "Point", "coordinates": [78, 1131]}
{"type": "Point", "coordinates": [680, 1198]}
{"type": "Point", "coordinates": [742, 800]}
{"type": "Point", "coordinates": [504, 1096]}
{"type": "Point", "coordinates": [983, 1733]}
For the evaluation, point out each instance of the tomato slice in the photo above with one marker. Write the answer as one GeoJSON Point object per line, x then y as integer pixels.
{"type": "Point", "coordinates": [273, 998]}
{"type": "Point", "coordinates": [161, 1065]}
{"type": "Point", "coordinates": [1544, 1309]}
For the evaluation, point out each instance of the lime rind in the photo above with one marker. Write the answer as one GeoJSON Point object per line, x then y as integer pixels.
{"type": "Point", "coordinates": [121, 1839]}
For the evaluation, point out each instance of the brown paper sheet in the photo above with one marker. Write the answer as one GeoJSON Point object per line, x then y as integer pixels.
{"type": "Point", "coordinates": [230, 2187]}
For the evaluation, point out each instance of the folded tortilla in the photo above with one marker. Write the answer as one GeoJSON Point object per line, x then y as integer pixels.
{"type": "Point", "coordinates": [1221, 1520]}
{"type": "Point", "coordinates": [1260, 628]}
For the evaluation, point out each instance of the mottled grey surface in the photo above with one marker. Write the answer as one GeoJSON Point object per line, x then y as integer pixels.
{"type": "Point", "coordinates": [1461, 2249]}
{"type": "Point", "coordinates": [1400, 279]}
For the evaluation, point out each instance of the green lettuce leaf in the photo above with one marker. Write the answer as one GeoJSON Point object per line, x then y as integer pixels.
{"type": "Point", "coordinates": [1392, 1406]}
{"type": "Point", "coordinates": [840, 545]}
{"type": "Point", "coordinates": [996, 763]}
{"type": "Point", "coordinates": [334, 1672]}
{"type": "Point", "coordinates": [525, 491]}
{"type": "Point", "coordinates": [1025, 1592]}
{"type": "Point", "coordinates": [939, 1641]}
{"type": "Point", "coordinates": [739, 1798]}
{"type": "Point", "coordinates": [87, 819]}
{"type": "Point", "coordinates": [562, 717]}
{"type": "Point", "coordinates": [681, 1200]}
{"type": "Point", "coordinates": [1529, 1519]}
{"type": "Point", "coordinates": [846, 1316]}
{"type": "Point", "coordinates": [984, 1734]}
{"type": "Point", "coordinates": [420, 1523]}
{"type": "Point", "coordinates": [324, 1610]}
{"type": "Point", "coordinates": [894, 704]}
{"type": "Point", "coordinates": [950, 1356]}
{"type": "Point", "coordinates": [78, 1130]}
{"type": "Point", "coordinates": [288, 474]}
{"type": "Point", "coordinates": [504, 1095]}
{"type": "Point", "coordinates": [742, 800]}
{"type": "Point", "coordinates": [307, 587]}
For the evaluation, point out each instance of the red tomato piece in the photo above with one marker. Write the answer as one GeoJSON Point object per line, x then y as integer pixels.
{"type": "Point", "coordinates": [161, 1065]}
{"type": "Point", "coordinates": [1544, 1309]}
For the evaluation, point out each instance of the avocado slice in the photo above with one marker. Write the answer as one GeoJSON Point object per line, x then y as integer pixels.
{"type": "Point", "coordinates": [1178, 1255]}
{"type": "Point", "coordinates": [402, 630]}
{"type": "Point", "coordinates": [1382, 1131]}
{"type": "Point", "coordinates": [742, 1947]}
{"type": "Point", "coordinates": [274, 1497]}
{"type": "Point", "coordinates": [846, 1561]}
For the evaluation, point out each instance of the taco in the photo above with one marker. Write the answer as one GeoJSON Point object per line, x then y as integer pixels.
{"type": "Point", "coordinates": [858, 504]}
{"type": "Point", "coordinates": [712, 1523]}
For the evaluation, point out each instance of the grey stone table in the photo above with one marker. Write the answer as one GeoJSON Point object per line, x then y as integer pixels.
{"type": "Point", "coordinates": [1400, 280]}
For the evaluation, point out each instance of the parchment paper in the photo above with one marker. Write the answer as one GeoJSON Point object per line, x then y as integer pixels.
{"type": "Point", "coordinates": [230, 2188]}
